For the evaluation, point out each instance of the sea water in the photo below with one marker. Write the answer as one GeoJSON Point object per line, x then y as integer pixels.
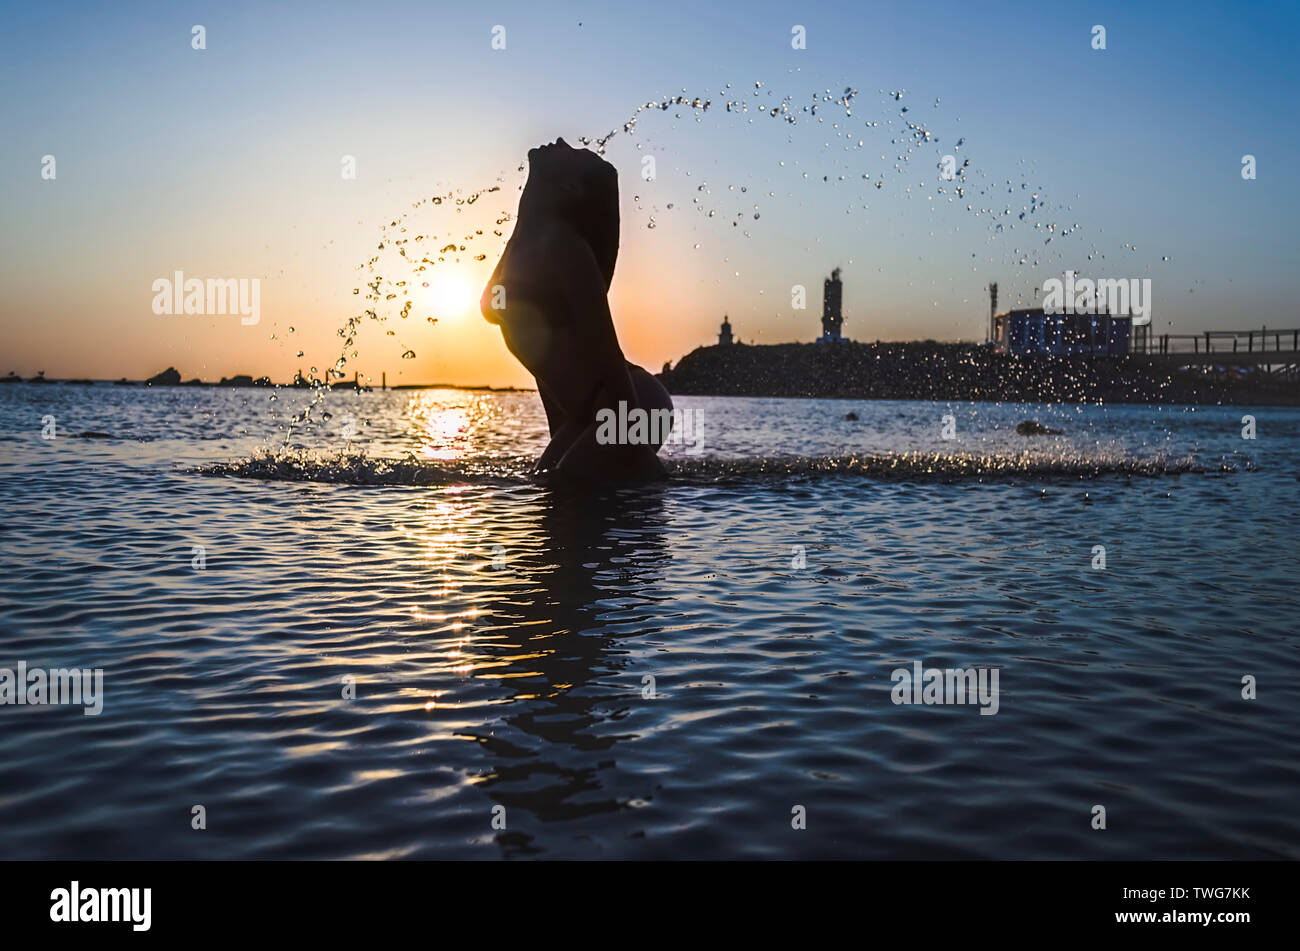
{"type": "Point", "coordinates": [353, 624]}
{"type": "Point", "coordinates": [418, 650]}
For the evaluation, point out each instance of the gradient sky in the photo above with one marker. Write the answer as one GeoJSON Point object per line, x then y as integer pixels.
{"type": "Point", "coordinates": [225, 163]}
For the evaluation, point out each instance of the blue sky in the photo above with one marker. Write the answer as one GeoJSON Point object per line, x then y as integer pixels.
{"type": "Point", "coordinates": [225, 162]}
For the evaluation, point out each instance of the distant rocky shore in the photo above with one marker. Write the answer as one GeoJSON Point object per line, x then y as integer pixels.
{"type": "Point", "coordinates": [172, 377]}
{"type": "Point", "coordinates": [958, 372]}
{"type": "Point", "coordinates": [168, 377]}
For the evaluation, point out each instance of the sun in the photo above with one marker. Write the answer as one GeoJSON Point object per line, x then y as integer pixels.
{"type": "Point", "coordinates": [449, 296]}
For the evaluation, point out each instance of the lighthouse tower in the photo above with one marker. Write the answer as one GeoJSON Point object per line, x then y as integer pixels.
{"type": "Point", "coordinates": [724, 335]}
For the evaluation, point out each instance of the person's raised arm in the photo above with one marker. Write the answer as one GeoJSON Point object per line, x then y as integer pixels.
{"type": "Point", "coordinates": [593, 328]}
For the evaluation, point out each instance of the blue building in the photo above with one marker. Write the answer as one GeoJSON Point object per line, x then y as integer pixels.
{"type": "Point", "coordinates": [1031, 331]}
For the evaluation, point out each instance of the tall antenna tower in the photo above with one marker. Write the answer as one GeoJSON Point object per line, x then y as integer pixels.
{"type": "Point", "coordinates": [993, 309]}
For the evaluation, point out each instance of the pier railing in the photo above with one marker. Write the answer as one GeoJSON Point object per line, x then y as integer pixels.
{"type": "Point", "coordinates": [1261, 342]}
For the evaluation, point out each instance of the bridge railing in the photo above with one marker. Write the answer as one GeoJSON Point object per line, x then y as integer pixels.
{"type": "Point", "coordinates": [1223, 341]}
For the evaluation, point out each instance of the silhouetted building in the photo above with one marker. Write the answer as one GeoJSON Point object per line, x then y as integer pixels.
{"type": "Point", "coordinates": [724, 335]}
{"type": "Point", "coordinates": [1031, 331]}
{"type": "Point", "coordinates": [832, 301]}
{"type": "Point", "coordinates": [993, 309]}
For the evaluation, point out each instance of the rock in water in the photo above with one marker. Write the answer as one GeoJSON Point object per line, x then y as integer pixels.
{"type": "Point", "coordinates": [168, 377]}
{"type": "Point", "coordinates": [852, 417]}
{"type": "Point", "coordinates": [1031, 427]}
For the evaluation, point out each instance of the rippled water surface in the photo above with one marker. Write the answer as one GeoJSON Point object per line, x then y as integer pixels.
{"type": "Point", "coordinates": [504, 634]}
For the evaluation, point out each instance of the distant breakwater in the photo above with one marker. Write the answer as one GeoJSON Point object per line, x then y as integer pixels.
{"type": "Point", "coordinates": [170, 377]}
{"type": "Point", "coordinates": [964, 372]}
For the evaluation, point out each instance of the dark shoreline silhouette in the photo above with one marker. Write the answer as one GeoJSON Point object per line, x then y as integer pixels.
{"type": "Point", "coordinates": [957, 372]}
{"type": "Point", "coordinates": [889, 371]}
{"type": "Point", "coordinates": [170, 377]}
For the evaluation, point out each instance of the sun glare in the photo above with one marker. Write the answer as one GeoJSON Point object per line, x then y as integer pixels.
{"type": "Point", "coordinates": [449, 296]}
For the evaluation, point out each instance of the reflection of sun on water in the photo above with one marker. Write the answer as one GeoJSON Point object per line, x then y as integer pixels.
{"type": "Point", "coordinates": [444, 433]}
{"type": "Point", "coordinates": [445, 425]}
{"type": "Point", "coordinates": [441, 424]}
{"type": "Point", "coordinates": [454, 581]}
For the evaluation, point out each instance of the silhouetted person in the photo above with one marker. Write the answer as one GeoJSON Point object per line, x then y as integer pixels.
{"type": "Point", "coordinates": [549, 296]}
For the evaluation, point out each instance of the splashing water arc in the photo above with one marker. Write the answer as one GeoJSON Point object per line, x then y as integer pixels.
{"type": "Point", "coordinates": [405, 255]}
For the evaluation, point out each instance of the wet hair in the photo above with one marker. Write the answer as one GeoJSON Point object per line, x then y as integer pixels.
{"type": "Point", "coordinates": [596, 215]}
{"type": "Point", "coordinates": [589, 202]}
